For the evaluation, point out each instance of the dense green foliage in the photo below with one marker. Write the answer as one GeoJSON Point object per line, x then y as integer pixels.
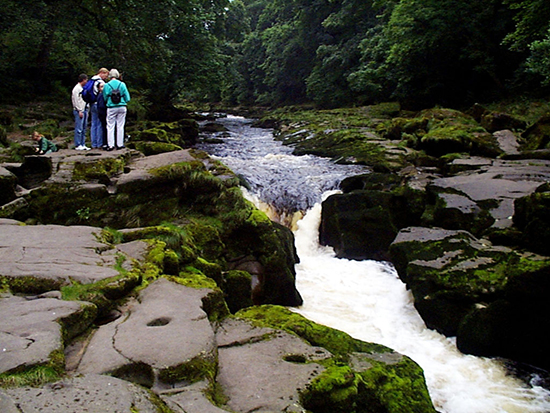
{"type": "Point", "coordinates": [330, 52]}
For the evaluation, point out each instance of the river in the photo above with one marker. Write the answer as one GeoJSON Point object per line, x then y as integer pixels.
{"type": "Point", "coordinates": [366, 299]}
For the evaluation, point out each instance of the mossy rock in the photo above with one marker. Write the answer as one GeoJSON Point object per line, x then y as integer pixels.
{"type": "Point", "coordinates": [394, 385]}
{"type": "Point", "coordinates": [98, 169]}
{"type": "Point", "coordinates": [36, 376]}
{"type": "Point", "coordinates": [532, 218]}
{"type": "Point", "coordinates": [537, 136]}
{"type": "Point", "coordinates": [337, 342]}
{"type": "Point", "coordinates": [154, 148]}
{"type": "Point", "coordinates": [238, 290]}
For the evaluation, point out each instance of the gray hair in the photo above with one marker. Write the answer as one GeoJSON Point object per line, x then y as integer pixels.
{"type": "Point", "coordinates": [114, 74]}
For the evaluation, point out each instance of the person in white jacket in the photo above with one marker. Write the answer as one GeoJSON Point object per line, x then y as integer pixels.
{"type": "Point", "coordinates": [80, 114]}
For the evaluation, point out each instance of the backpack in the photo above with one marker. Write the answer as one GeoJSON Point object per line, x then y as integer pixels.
{"type": "Point", "coordinates": [116, 96]}
{"type": "Point", "coordinates": [88, 91]}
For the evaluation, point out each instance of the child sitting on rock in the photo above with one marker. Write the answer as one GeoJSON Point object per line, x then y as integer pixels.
{"type": "Point", "coordinates": [44, 146]}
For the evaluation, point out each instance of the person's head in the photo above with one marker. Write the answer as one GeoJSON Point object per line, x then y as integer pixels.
{"type": "Point", "coordinates": [82, 78]}
{"type": "Point", "coordinates": [114, 74]}
{"type": "Point", "coordinates": [36, 135]}
{"type": "Point", "coordinates": [100, 87]}
{"type": "Point", "coordinates": [103, 73]}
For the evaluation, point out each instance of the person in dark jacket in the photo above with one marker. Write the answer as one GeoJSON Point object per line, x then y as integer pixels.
{"type": "Point", "coordinates": [102, 115]}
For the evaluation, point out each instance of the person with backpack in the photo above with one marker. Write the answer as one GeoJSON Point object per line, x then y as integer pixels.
{"type": "Point", "coordinates": [80, 114]}
{"type": "Point", "coordinates": [116, 97]}
{"type": "Point", "coordinates": [102, 115]}
{"type": "Point", "coordinates": [92, 92]}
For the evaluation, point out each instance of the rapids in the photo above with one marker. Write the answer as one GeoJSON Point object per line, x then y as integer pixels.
{"type": "Point", "coordinates": [366, 299]}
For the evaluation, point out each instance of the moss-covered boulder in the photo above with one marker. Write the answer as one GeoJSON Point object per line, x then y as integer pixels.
{"type": "Point", "coordinates": [491, 298]}
{"type": "Point", "coordinates": [532, 218]}
{"type": "Point", "coordinates": [363, 222]}
{"type": "Point", "coordinates": [516, 325]}
{"type": "Point", "coordinates": [182, 133]}
{"type": "Point", "coordinates": [453, 209]}
{"type": "Point", "coordinates": [537, 136]}
{"type": "Point", "coordinates": [154, 148]}
{"type": "Point", "coordinates": [8, 182]}
{"type": "Point", "coordinates": [360, 377]}
{"type": "Point", "coordinates": [449, 273]}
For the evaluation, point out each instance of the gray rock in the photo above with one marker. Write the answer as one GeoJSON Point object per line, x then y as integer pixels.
{"type": "Point", "coordinates": [89, 393]}
{"type": "Point", "coordinates": [30, 330]}
{"type": "Point", "coordinates": [507, 141]}
{"type": "Point", "coordinates": [191, 399]}
{"type": "Point", "coordinates": [164, 329]}
{"type": "Point", "coordinates": [263, 373]}
{"type": "Point", "coordinates": [55, 253]}
{"type": "Point", "coordinates": [501, 183]}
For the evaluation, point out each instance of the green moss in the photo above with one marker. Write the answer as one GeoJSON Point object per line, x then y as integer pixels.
{"type": "Point", "coordinates": [334, 390]}
{"type": "Point", "coordinates": [38, 375]}
{"type": "Point", "coordinates": [30, 284]}
{"type": "Point", "coordinates": [104, 293]}
{"type": "Point", "coordinates": [238, 290]}
{"type": "Point", "coordinates": [399, 388]}
{"type": "Point", "coordinates": [98, 169]}
{"type": "Point", "coordinates": [192, 371]}
{"type": "Point", "coordinates": [336, 341]}
{"type": "Point", "coordinates": [154, 148]}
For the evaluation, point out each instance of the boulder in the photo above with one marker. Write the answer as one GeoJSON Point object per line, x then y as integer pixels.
{"type": "Point", "coordinates": [492, 299]}
{"type": "Point", "coordinates": [449, 273]}
{"type": "Point", "coordinates": [89, 393]}
{"type": "Point", "coordinates": [532, 218]}
{"type": "Point", "coordinates": [165, 338]}
{"type": "Point", "coordinates": [537, 136]}
{"type": "Point", "coordinates": [33, 330]}
{"type": "Point", "coordinates": [8, 183]}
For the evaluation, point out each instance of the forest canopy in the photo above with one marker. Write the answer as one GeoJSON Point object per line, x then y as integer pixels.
{"type": "Point", "coordinates": [280, 52]}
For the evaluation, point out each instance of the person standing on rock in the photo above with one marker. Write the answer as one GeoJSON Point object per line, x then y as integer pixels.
{"type": "Point", "coordinates": [102, 115]}
{"type": "Point", "coordinates": [116, 97]}
{"type": "Point", "coordinates": [96, 129]}
{"type": "Point", "coordinates": [80, 114]}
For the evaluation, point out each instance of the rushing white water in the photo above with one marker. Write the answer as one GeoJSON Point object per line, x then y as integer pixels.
{"type": "Point", "coordinates": [366, 299]}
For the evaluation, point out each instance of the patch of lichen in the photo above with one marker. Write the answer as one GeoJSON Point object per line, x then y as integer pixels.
{"type": "Point", "coordinates": [37, 375]}
{"type": "Point", "coordinates": [335, 341]}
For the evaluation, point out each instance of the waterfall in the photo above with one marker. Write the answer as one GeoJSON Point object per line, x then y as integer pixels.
{"type": "Point", "coordinates": [366, 299]}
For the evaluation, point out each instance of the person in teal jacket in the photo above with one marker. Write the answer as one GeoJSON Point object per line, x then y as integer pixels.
{"type": "Point", "coordinates": [44, 146]}
{"type": "Point", "coordinates": [116, 97]}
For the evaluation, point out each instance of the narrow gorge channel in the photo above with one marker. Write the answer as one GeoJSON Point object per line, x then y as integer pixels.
{"type": "Point", "coordinates": [363, 298]}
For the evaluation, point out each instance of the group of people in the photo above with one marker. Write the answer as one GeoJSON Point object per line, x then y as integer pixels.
{"type": "Point", "coordinates": [108, 114]}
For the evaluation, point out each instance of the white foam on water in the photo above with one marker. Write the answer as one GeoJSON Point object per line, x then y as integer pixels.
{"type": "Point", "coordinates": [367, 300]}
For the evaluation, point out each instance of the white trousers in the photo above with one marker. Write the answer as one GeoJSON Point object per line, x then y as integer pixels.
{"type": "Point", "coordinates": [116, 117]}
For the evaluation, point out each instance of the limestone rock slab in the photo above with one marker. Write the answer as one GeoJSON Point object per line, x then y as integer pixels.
{"type": "Point", "coordinates": [163, 329]}
{"type": "Point", "coordinates": [89, 393]}
{"type": "Point", "coordinates": [265, 375]}
{"type": "Point", "coordinates": [52, 252]}
{"type": "Point", "coordinates": [29, 329]}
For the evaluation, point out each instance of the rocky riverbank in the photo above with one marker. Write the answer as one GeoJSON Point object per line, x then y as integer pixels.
{"type": "Point", "coordinates": [458, 202]}
{"type": "Point", "coordinates": [128, 283]}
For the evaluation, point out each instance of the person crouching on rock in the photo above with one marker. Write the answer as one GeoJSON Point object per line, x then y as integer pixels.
{"type": "Point", "coordinates": [44, 146]}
